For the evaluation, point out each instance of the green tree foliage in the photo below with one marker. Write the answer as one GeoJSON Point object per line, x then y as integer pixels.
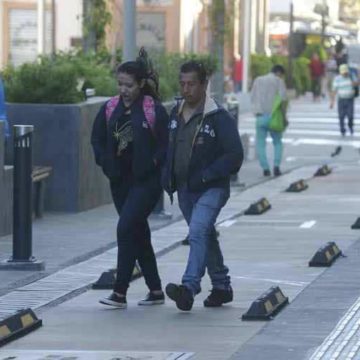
{"type": "Point", "coordinates": [63, 78]}
{"type": "Point", "coordinates": [315, 49]}
{"type": "Point", "coordinates": [96, 20]}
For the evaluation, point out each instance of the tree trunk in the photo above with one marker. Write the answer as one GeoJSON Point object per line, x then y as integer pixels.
{"type": "Point", "coordinates": [89, 37]}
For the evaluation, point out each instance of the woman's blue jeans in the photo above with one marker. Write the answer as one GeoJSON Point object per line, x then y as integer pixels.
{"type": "Point", "coordinates": [262, 130]}
{"type": "Point", "coordinates": [200, 211]}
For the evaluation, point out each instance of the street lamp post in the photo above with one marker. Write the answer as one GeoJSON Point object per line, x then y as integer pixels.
{"type": "Point", "coordinates": [246, 45]}
{"type": "Point", "coordinates": [323, 10]}
{"type": "Point", "coordinates": [291, 46]}
{"type": "Point", "coordinates": [129, 30]}
{"type": "Point", "coordinates": [41, 27]}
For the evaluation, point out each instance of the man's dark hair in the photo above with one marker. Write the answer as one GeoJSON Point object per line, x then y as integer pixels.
{"type": "Point", "coordinates": [197, 67]}
{"type": "Point", "coordinates": [276, 69]}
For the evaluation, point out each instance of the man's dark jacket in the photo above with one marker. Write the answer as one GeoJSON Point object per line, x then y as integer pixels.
{"type": "Point", "coordinates": [149, 146]}
{"type": "Point", "coordinates": [217, 152]}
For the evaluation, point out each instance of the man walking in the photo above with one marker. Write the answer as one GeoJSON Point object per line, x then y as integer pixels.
{"type": "Point", "coordinates": [263, 94]}
{"type": "Point", "coordinates": [204, 150]}
{"type": "Point", "coordinates": [343, 87]}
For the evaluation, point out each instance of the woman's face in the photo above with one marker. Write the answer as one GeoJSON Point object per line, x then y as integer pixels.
{"type": "Point", "coordinates": [129, 88]}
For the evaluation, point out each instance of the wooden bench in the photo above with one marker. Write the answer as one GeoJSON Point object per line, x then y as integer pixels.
{"type": "Point", "coordinates": [39, 174]}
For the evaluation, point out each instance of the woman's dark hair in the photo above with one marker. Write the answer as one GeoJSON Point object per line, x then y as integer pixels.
{"type": "Point", "coordinates": [197, 67]}
{"type": "Point", "coordinates": [142, 69]}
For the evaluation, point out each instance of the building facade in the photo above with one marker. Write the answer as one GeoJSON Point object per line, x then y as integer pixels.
{"type": "Point", "coordinates": [19, 28]}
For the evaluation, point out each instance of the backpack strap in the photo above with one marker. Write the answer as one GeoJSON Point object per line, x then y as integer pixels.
{"type": "Point", "coordinates": [148, 108]}
{"type": "Point", "coordinates": [110, 107]}
{"type": "Point", "coordinates": [149, 111]}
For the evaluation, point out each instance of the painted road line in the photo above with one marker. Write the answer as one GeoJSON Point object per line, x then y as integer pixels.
{"type": "Point", "coordinates": [307, 224]}
{"type": "Point", "coordinates": [340, 343]}
{"type": "Point", "coordinates": [275, 281]}
{"type": "Point", "coordinates": [334, 133]}
{"type": "Point", "coordinates": [93, 355]}
{"type": "Point", "coordinates": [314, 141]}
{"type": "Point", "coordinates": [227, 223]}
{"type": "Point", "coordinates": [269, 221]}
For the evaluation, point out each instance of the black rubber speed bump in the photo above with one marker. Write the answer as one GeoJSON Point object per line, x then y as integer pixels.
{"type": "Point", "coordinates": [323, 171]}
{"type": "Point", "coordinates": [326, 255]}
{"type": "Point", "coordinates": [356, 224]}
{"type": "Point", "coordinates": [107, 279]}
{"type": "Point", "coordinates": [18, 325]}
{"type": "Point", "coordinates": [267, 305]}
{"type": "Point", "coordinates": [258, 207]}
{"type": "Point", "coordinates": [297, 186]}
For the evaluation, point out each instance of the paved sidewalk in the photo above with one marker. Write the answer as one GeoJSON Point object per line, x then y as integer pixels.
{"type": "Point", "coordinates": [61, 240]}
{"type": "Point", "coordinates": [261, 251]}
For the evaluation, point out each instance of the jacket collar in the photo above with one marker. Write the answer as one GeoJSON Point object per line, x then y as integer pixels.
{"type": "Point", "coordinates": [210, 106]}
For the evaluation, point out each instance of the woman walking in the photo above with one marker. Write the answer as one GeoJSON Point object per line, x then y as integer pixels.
{"type": "Point", "coordinates": [129, 139]}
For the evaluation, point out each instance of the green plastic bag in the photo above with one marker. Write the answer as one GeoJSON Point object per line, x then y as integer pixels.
{"type": "Point", "coordinates": [277, 121]}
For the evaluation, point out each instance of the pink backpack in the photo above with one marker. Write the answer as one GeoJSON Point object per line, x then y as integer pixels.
{"type": "Point", "coordinates": [148, 108]}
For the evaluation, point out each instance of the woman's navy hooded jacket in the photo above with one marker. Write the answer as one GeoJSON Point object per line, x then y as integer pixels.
{"type": "Point", "coordinates": [149, 145]}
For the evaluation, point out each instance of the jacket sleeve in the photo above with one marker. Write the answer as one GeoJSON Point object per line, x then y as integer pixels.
{"type": "Point", "coordinates": [231, 159]}
{"type": "Point", "coordinates": [161, 133]}
{"type": "Point", "coordinates": [99, 135]}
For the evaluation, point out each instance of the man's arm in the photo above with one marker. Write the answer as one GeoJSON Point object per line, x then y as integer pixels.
{"type": "Point", "coordinates": [284, 102]}
{"type": "Point", "coordinates": [333, 94]}
{"type": "Point", "coordinates": [233, 155]}
{"type": "Point", "coordinates": [253, 91]}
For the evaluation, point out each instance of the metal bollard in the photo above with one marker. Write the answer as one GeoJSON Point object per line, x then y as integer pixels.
{"type": "Point", "coordinates": [22, 258]}
{"type": "Point", "coordinates": [233, 109]}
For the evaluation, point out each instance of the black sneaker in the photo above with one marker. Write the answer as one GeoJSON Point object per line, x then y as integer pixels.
{"type": "Point", "coordinates": [115, 300]}
{"type": "Point", "coordinates": [218, 297]}
{"type": "Point", "coordinates": [267, 172]}
{"type": "Point", "coordinates": [182, 296]}
{"type": "Point", "coordinates": [152, 299]}
{"type": "Point", "coordinates": [337, 151]}
{"type": "Point", "coordinates": [277, 171]}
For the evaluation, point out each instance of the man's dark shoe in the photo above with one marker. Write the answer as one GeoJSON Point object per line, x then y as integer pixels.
{"type": "Point", "coordinates": [277, 171]}
{"type": "Point", "coordinates": [182, 296]}
{"type": "Point", "coordinates": [267, 172]}
{"type": "Point", "coordinates": [337, 151]}
{"type": "Point", "coordinates": [114, 300]}
{"type": "Point", "coordinates": [219, 297]}
{"type": "Point", "coordinates": [153, 299]}
{"type": "Point", "coordinates": [186, 241]}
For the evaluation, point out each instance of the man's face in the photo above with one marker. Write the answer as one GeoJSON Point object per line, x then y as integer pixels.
{"type": "Point", "coordinates": [191, 88]}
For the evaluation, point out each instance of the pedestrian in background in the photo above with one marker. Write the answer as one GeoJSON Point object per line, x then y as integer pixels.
{"type": "Point", "coordinates": [204, 150]}
{"type": "Point", "coordinates": [331, 72]}
{"type": "Point", "coordinates": [317, 72]}
{"type": "Point", "coordinates": [344, 88]}
{"type": "Point", "coordinates": [238, 73]}
{"type": "Point", "coordinates": [263, 94]}
{"type": "Point", "coordinates": [3, 116]}
{"type": "Point", "coordinates": [129, 139]}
